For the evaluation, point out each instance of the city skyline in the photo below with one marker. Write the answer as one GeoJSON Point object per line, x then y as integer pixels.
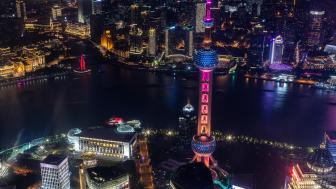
{"type": "Point", "coordinates": [215, 94]}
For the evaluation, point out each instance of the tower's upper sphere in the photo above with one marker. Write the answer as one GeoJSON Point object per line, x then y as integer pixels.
{"type": "Point", "coordinates": [206, 59]}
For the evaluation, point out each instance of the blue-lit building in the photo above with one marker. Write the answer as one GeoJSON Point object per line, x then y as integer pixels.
{"type": "Point", "coordinates": [331, 143]}
{"type": "Point", "coordinates": [187, 123]}
{"type": "Point", "coordinates": [276, 50]}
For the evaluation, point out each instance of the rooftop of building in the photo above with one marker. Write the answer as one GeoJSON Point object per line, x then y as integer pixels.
{"type": "Point", "coordinates": [331, 135]}
{"type": "Point", "coordinates": [321, 160]}
{"type": "Point", "coordinates": [123, 133]}
{"type": "Point", "coordinates": [103, 174]}
{"type": "Point", "coordinates": [193, 175]}
{"type": "Point", "coordinates": [54, 159]}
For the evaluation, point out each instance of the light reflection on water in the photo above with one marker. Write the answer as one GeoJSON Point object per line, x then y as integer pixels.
{"type": "Point", "coordinates": [293, 113]}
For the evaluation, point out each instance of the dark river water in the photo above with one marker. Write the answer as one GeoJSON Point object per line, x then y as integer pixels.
{"type": "Point", "coordinates": [291, 113]}
{"type": "Point", "coordinates": [296, 114]}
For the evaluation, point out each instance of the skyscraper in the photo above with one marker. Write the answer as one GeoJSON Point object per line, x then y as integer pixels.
{"type": "Point", "coordinates": [82, 179]}
{"type": "Point", "coordinates": [192, 176]}
{"type": "Point", "coordinates": [84, 10]}
{"type": "Point", "coordinates": [55, 172]}
{"type": "Point", "coordinates": [315, 33]}
{"type": "Point", "coordinates": [97, 20]}
{"type": "Point", "coordinates": [257, 53]}
{"type": "Point", "coordinates": [97, 7]}
{"type": "Point", "coordinates": [187, 123]}
{"type": "Point", "coordinates": [135, 35]}
{"type": "Point", "coordinates": [276, 50]}
{"type": "Point", "coordinates": [203, 143]}
{"type": "Point", "coordinates": [331, 143]}
{"type": "Point", "coordinates": [189, 45]}
{"type": "Point", "coordinates": [56, 12]}
{"type": "Point", "coordinates": [170, 39]}
{"type": "Point", "coordinates": [152, 42]}
{"type": "Point", "coordinates": [200, 11]}
{"type": "Point", "coordinates": [21, 9]}
{"type": "Point", "coordinates": [135, 14]}
{"type": "Point", "coordinates": [166, 41]}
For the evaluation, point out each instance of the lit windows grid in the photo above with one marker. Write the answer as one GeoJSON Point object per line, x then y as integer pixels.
{"type": "Point", "coordinates": [106, 148]}
{"type": "Point", "coordinates": [55, 177]}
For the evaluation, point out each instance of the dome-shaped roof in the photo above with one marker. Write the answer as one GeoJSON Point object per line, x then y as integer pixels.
{"type": "Point", "coordinates": [188, 108]}
{"type": "Point", "coordinates": [124, 128]}
{"type": "Point", "coordinates": [321, 161]}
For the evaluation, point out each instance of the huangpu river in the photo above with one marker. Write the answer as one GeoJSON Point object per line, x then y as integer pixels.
{"type": "Point", "coordinates": [292, 113]}
{"type": "Point", "coordinates": [297, 114]}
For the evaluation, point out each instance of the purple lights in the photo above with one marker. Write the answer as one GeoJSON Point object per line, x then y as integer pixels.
{"type": "Point", "coordinates": [208, 11]}
{"type": "Point", "coordinates": [279, 67]}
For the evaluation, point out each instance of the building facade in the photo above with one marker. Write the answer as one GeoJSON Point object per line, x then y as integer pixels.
{"type": "Point", "coordinates": [107, 178]}
{"type": "Point", "coordinates": [276, 50]}
{"type": "Point", "coordinates": [317, 172]}
{"type": "Point", "coordinates": [97, 7]}
{"type": "Point", "coordinates": [200, 12]}
{"type": "Point", "coordinates": [135, 40]}
{"type": "Point", "coordinates": [152, 42]}
{"type": "Point", "coordinates": [331, 143]}
{"type": "Point", "coordinates": [189, 42]}
{"type": "Point", "coordinates": [84, 10]}
{"type": "Point", "coordinates": [116, 143]}
{"type": "Point", "coordinates": [78, 30]}
{"type": "Point", "coordinates": [21, 9]}
{"type": "Point", "coordinates": [56, 12]}
{"type": "Point", "coordinates": [55, 173]}
{"type": "Point", "coordinates": [315, 33]}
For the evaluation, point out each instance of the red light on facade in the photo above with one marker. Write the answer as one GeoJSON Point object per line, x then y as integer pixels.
{"type": "Point", "coordinates": [205, 87]}
{"type": "Point", "coordinates": [82, 65]}
{"type": "Point", "coordinates": [204, 119]}
{"type": "Point", "coordinates": [205, 109]}
{"type": "Point", "coordinates": [205, 98]}
{"type": "Point", "coordinates": [205, 76]}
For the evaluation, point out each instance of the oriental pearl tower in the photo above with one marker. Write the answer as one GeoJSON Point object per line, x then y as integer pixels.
{"type": "Point", "coordinates": [203, 143]}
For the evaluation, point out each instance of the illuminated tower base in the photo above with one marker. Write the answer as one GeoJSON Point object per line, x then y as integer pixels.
{"type": "Point", "coordinates": [82, 66]}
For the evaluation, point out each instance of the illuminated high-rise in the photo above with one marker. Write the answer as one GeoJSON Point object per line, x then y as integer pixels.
{"type": "Point", "coordinates": [82, 179]}
{"type": "Point", "coordinates": [203, 143]}
{"type": "Point", "coordinates": [152, 42]}
{"type": "Point", "coordinates": [106, 39]}
{"type": "Point", "coordinates": [97, 20]}
{"type": "Point", "coordinates": [56, 12]}
{"type": "Point", "coordinates": [189, 47]}
{"type": "Point", "coordinates": [330, 137]}
{"type": "Point", "coordinates": [97, 7]}
{"type": "Point", "coordinates": [200, 11]}
{"type": "Point", "coordinates": [276, 50]}
{"type": "Point", "coordinates": [135, 35]}
{"type": "Point", "coordinates": [317, 172]}
{"type": "Point", "coordinates": [21, 9]}
{"type": "Point", "coordinates": [170, 39]}
{"type": "Point", "coordinates": [315, 33]}
{"type": "Point", "coordinates": [84, 10]}
{"type": "Point", "coordinates": [55, 172]}
{"type": "Point", "coordinates": [135, 14]}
